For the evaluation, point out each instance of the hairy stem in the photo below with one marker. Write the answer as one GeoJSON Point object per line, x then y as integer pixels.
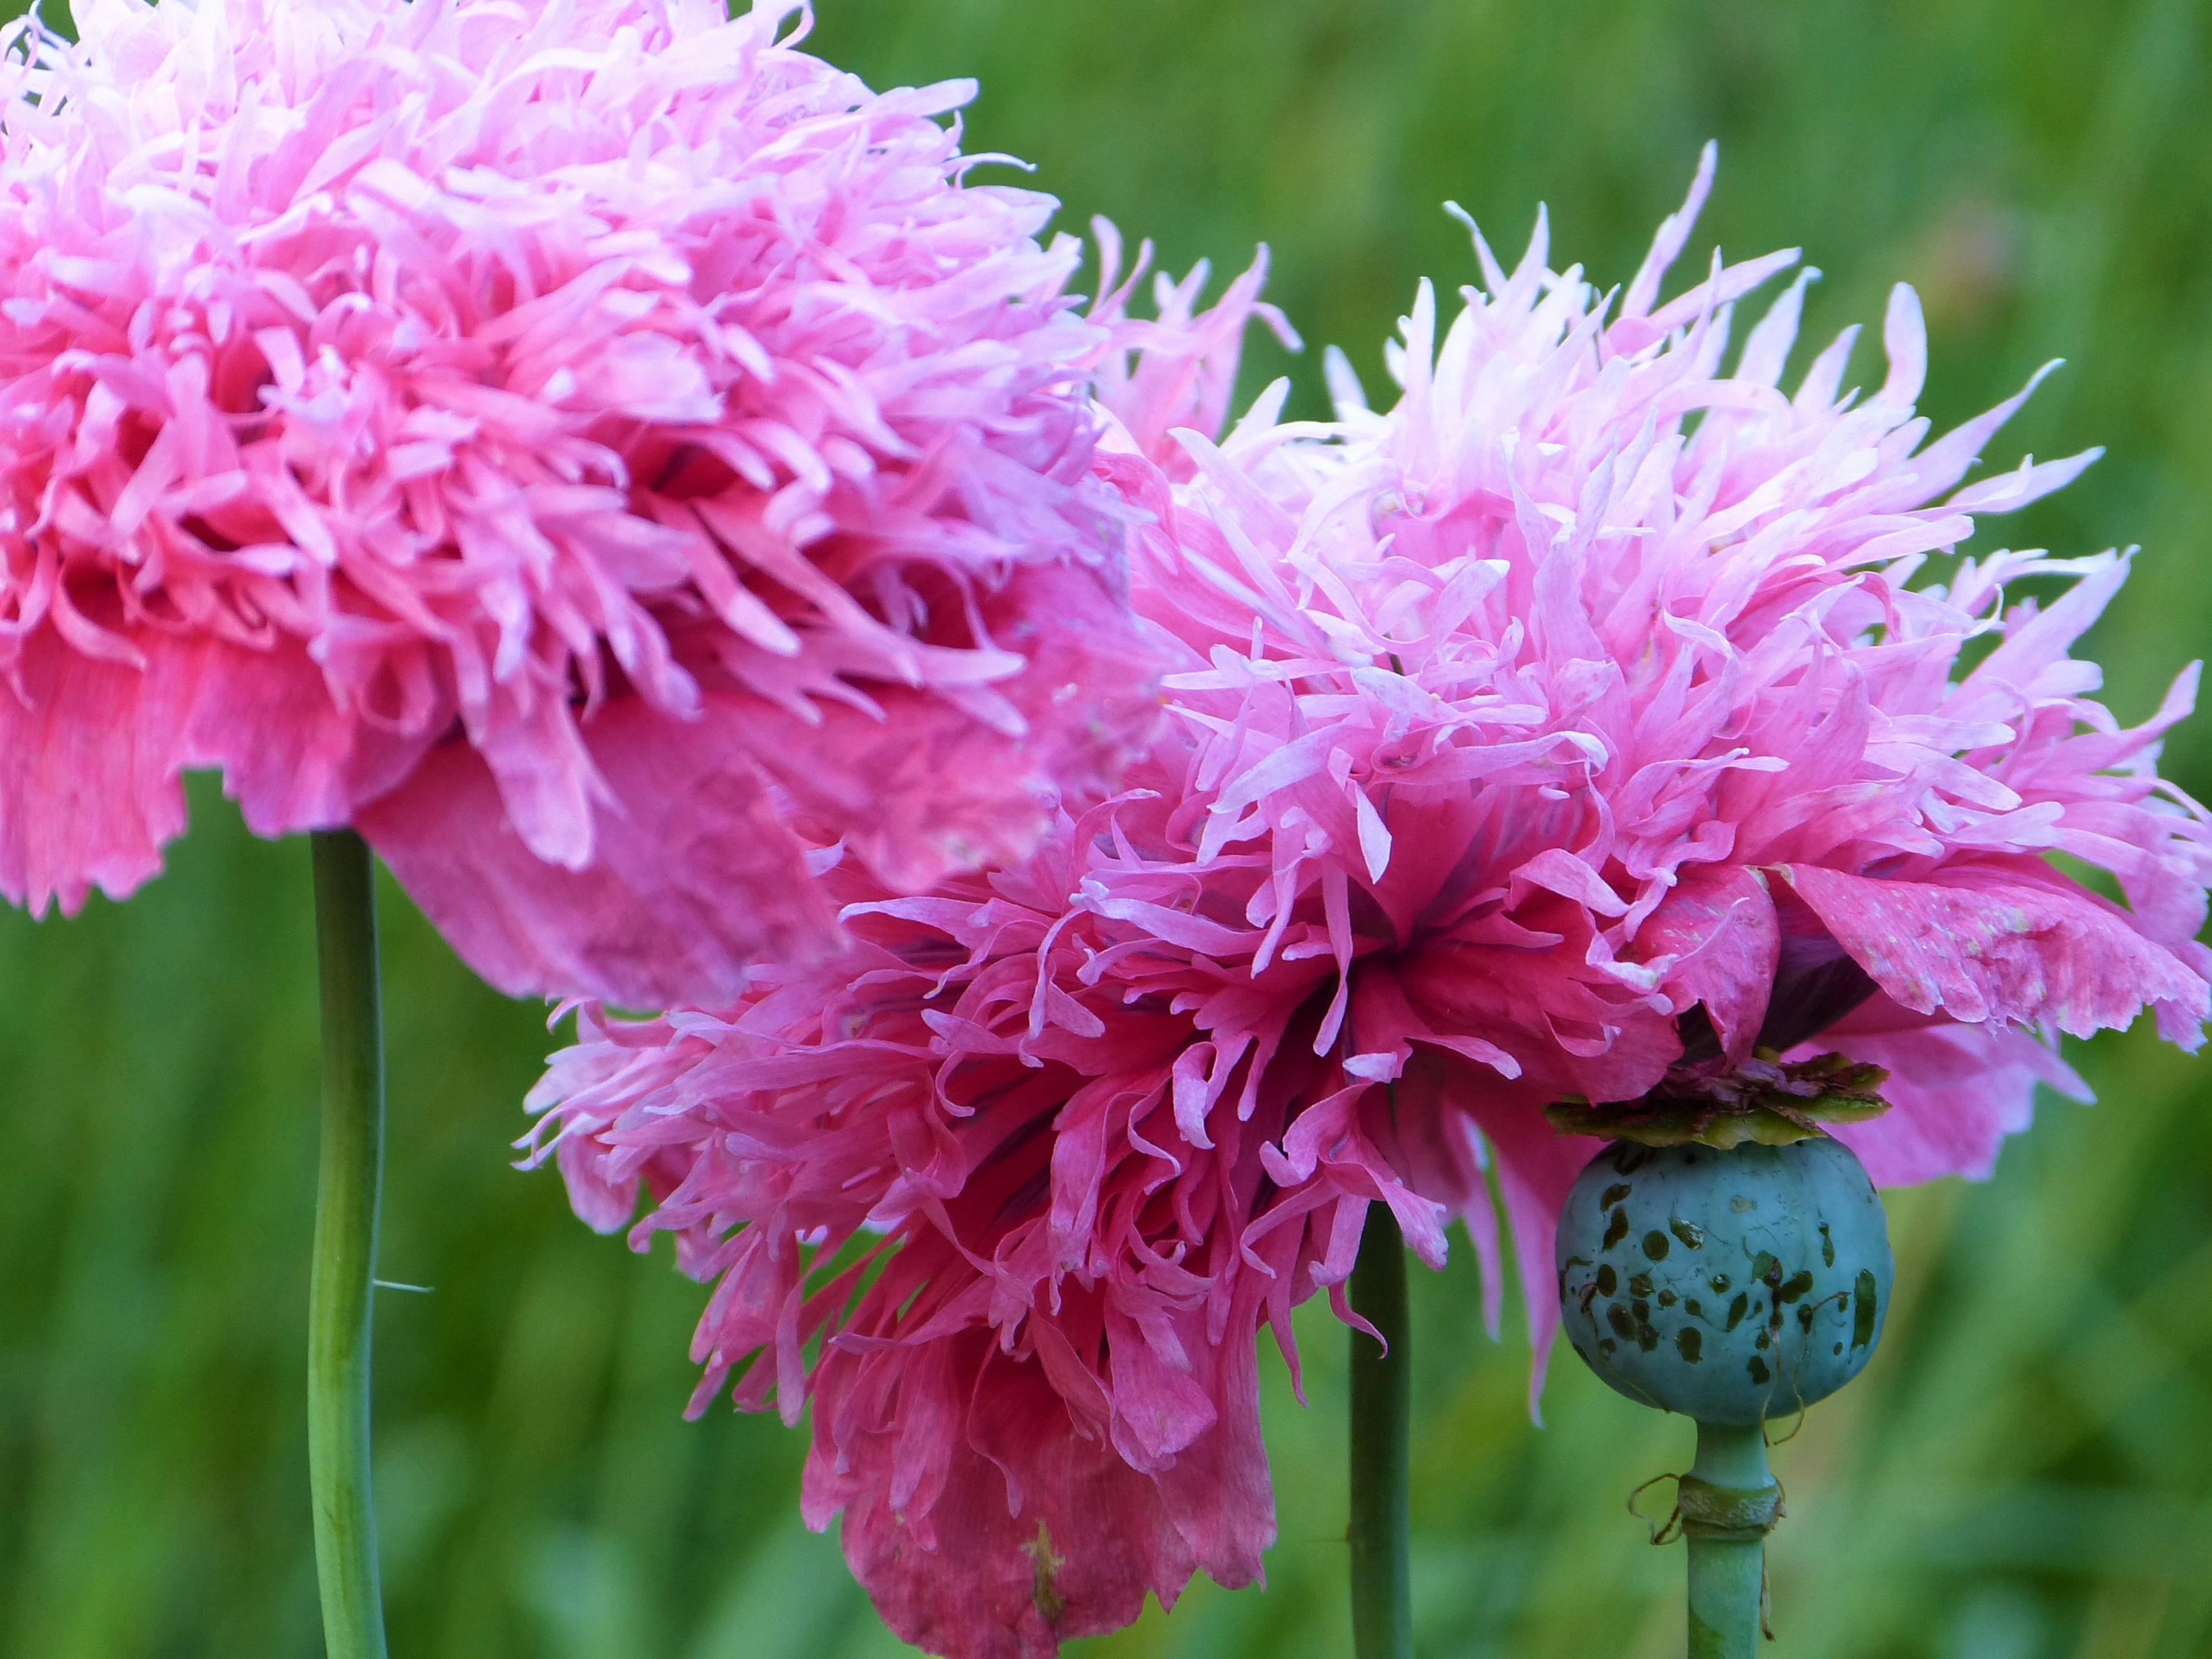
{"type": "Point", "coordinates": [339, 1296]}
{"type": "Point", "coordinates": [1727, 1534]}
{"type": "Point", "coordinates": [1381, 1419]}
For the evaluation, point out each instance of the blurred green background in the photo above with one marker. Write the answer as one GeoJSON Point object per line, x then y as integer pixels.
{"type": "Point", "coordinates": [2025, 1471]}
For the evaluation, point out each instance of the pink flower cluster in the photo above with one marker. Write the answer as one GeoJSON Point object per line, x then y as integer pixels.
{"type": "Point", "coordinates": [1591, 720]}
{"type": "Point", "coordinates": [598, 450]}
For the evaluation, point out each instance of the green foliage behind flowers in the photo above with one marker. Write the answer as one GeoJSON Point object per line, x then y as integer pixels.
{"type": "Point", "coordinates": [2025, 1471]}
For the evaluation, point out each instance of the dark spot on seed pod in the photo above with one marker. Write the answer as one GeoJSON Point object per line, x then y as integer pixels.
{"type": "Point", "coordinates": [1646, 1338]}
{"type": "Point", "coordinates": [1667, 1298]}
{"type": "Point", "coordinates": [1612, 1195]}
{"type": "Point", "coordinates": [1640, 1284]}
{"type": "Point", "coordinates": [1629, 1156]}
{"type": "Point", "coordinates": [1720, 1284]}
{"type": "Point", "coordinates": [1862, 1308]}
{"type": "Point", "coordinates": [1764, 1265]}
{"type": "Point", "coordinates": [1688, 1231]}
{"type": "Point", "coordinates": [1623, 1326]}
{"type": "Point", "coordinates": [1616, 1230]}
{"type": "Point", "coordinates": [1839, 1347]}
{"type": "Point", "coordinates": [1655, 1245]}
{"type": "Point", "coordinates": [1766, 1341]}
{"type": "Point", "coordinates": [1805, 1318]}
{"type": "Point", "coordinates": [1760, 1374]}
{"type": "Point", "coordinates": [1607, 1280]}
{"type": "Point", "coordinates": [1641, 1310]}
{"type": "Point", "coordinates": [1694, 1308]}
{"type": "Point", "coordinates": [1606, 1345]}
{"type": "Point", "coordinates": [1690, 1342]}
{"type": "Point", "coordinates": [1800, 1282]}
{"type": "Point", "coordinates": [1736, 1310]}
{"type": "Point", "coordinates": [1828, 1247]}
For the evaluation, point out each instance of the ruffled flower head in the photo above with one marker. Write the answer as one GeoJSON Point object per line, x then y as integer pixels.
{"type": "Point", "coordinates": [1590, 727]}
{"type": "Point", "coordinates": [598, 450]}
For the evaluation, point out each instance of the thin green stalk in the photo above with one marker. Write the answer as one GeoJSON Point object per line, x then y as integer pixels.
{"type": "Point", "coordinates": [1729, 1503]}
{"type": "Point", "coordinates": [340, 1289]}
{"type": "Point", "coordinates": [1382, 1423]}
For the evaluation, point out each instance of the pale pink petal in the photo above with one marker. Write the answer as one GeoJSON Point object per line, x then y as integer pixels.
{"type": "Point", "coordinates": [1955, 1092]}
{"type": "Point", "coordinates": [1984, 943]}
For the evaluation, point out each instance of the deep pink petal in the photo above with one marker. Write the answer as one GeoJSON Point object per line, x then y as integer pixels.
{"type": "Point", "coordinates": [695, 874]}
{"type": "Point", "coordinates": [88, 786]}
{"type": "Point", "coordinates": [1090, 1538]}
{"type": "Point", "coordinates": [1719, 927]}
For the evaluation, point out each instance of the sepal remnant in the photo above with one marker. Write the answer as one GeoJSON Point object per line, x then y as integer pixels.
{"type": "Point", "coordinates": [1767, 1101]}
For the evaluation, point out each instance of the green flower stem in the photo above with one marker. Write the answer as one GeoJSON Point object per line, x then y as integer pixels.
{"type": "Point", "coordinates": [340, 1289]}
{"type": "Point", "coordinates": [1382, 1422]}
{"type": "Point", "coordinates": [1729, 1500]}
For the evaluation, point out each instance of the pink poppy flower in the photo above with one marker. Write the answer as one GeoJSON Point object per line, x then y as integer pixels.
{"type": "Point", "coordinates": [1037, 1396]}
{"type": "Point", "coordinates": [1585, 725]}
{"type": "Point", "coordinates": [1595, 753]}
{"type": "Point", "coordinates": [599, 450]}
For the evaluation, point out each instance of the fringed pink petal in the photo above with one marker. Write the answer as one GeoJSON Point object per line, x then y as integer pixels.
{"type": "Point", "coordinates": [918, 787]}
{"type": "Point", "coordinates": [991, 1578]}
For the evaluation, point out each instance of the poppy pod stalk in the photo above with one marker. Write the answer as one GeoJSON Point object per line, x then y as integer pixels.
{"type": "Point", "coordinates": [1732, 1280]}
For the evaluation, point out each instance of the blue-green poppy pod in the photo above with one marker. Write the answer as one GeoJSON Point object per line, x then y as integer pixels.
{"type": "Point", "coordinates": [1732, 1285]}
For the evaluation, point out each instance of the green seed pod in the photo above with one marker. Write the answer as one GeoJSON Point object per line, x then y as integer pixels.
{"type": "Point", "coordinates": [1731, 1286]}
